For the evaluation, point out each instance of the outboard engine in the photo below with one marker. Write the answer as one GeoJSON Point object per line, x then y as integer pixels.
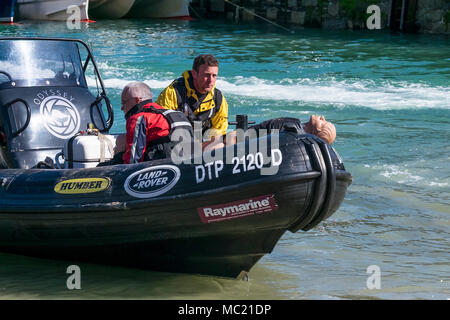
{"type": "Point", "coordinates": [44, 99]}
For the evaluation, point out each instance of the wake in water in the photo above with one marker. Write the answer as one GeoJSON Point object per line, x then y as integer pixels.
{"type": "Point", "coordinates": [387, 95]}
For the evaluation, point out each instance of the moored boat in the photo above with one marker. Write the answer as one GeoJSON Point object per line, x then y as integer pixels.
{"type": "Point", "coordinates": [159, 9]}
{"type": "Point", "coordinates": [215, 214]}
{"type": "Point", "coordinates": [56, 10]}
{"type": "Point", "coordinates": [109, 9]}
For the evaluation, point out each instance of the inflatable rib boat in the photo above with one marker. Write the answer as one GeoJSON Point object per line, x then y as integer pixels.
{"type": "Point", "coordinates": [214, 216]}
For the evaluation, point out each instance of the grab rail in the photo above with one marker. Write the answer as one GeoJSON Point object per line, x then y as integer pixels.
{"type": "Point", "coordinates": [27, 122]}
{"type": "Point", "coordinates": [110, 120]}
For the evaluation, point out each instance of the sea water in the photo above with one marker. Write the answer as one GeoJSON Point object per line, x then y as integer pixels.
{"type": "Point", "coordinates": [389, 97]}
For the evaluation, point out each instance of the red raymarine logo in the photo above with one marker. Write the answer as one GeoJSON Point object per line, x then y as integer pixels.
{"type": "Point", "coordinates": [237, 209]}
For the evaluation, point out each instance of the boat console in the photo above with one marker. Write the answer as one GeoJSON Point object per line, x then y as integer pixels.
{"type": "Point", "coordinates": [45, 99]}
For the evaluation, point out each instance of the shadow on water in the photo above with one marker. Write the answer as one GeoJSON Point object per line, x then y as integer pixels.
{"type": "Point", "coordinates": [31, 278]}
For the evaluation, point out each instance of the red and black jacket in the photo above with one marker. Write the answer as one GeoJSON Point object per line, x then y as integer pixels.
{"type": "Point", "coordinates": [149, 123]}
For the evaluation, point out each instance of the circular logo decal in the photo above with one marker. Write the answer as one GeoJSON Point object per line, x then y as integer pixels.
{"type": "Point", "coordinates": [152, 182]}
{"type": "Point", "coordinates": [60, 116]}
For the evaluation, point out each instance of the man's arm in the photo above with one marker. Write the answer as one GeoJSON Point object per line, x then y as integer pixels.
{"type": "Point", "coordinates": [120, 145]}
{"type": "Point", "coordinates": [168, 98]}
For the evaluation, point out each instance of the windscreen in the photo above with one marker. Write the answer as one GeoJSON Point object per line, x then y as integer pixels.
{"type": "Point", "coordinates": [29, 63]}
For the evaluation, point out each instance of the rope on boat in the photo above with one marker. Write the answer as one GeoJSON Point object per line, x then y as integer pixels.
{"type": "Point", "coordinates": [257, 15]}
{"type": "Point", "coordinates": [195, 11]}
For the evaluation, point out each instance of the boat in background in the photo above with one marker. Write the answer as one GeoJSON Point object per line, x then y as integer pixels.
{"type": "Point", "coordinates": [109, 9]}
{"type": "Point", "coordinates": [159, 9]}
{"type": "Point", "coordinates": [56, 10]}
{"type": "Point", "coordinates": [7, 11]}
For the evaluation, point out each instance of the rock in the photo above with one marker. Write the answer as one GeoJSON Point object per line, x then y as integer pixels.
{"type": "Point", "coordinates": [272, 13]}
{"type": "Point", "coordinates": [333, 8]}
{"type": "Point", "coordinates": [437, 15]}
{"type": "Point", "coordinates": [217, 5]}
{"type": "Point", "coordinates": [349, 24]}
{"type": "Point", "coordinates": [292, 3]}
{"type": "Point", "coordinates": [248, 16]}
{"type": "Point", "coordinates": [309, 3]}
{"type": "Point", "coordinates": [334, 24]}
{"type": "Point", "coordinates": [298, 17]}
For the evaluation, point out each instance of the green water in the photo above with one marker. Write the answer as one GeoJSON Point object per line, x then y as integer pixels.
{"type": "Point", "coordinates": [389, 97]}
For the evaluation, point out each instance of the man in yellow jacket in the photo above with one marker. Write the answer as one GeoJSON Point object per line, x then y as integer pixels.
{"type": "Point", "coordinates": [195, 94]}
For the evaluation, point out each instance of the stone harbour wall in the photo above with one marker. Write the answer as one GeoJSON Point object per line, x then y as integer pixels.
{"type": "Point", "coordinates": [430, 16]}
{"type": "Point", "coordinates": [434, 16]}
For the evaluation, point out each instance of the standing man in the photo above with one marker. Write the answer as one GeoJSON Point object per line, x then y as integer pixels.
{"type": "Point", "coordinates": [149, 126]}
{"type": "Point", "coordinates": [196, 96]}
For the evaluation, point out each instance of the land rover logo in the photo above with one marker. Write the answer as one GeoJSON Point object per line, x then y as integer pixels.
{"type": "Point", "coordinates": [60, 117]}
{"type": "Point", "coordinates": [152, 182]}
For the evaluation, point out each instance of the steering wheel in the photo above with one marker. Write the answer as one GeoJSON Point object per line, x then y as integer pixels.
{"type": "Point", "coordinates": [6, 74]}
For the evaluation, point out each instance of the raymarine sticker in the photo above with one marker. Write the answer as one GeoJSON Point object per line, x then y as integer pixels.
{"type": "Point", "coordinates": [238, 209]}
{"type": "Point", "coordinates": [60, 117]}
{"type": "Point", "coordinates": [152, 182]}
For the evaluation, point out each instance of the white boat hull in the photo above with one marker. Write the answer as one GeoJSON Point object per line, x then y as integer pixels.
{"type": "Point", "coordinates": [55, 10]}
{"type": "Point", "coordinates": [7, 19]}
{"type": "Point", "coordinates": [109, 9]}
{"type": "Point", "coordinates": [159, 9]}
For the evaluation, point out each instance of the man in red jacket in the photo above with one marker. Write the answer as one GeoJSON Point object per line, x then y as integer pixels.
{"type": "Point", "coordinates": [149, 126]}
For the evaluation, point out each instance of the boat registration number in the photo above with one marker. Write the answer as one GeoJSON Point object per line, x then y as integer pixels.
{"type": "Point", "coordinates": [249, 162]}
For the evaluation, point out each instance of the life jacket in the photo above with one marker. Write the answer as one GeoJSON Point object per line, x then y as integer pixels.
{"type": "Point", "coordinates": [162, 147]}
{"type": "Point", "coordinates": [188, 104]}
{"type": "Point", "coordinates": [281, 124]}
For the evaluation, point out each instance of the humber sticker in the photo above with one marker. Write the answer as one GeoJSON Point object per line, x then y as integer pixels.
{"type": "Point", "coordinates": [83, 185]}
{"type": "Point", "coordinates": [152, 182]}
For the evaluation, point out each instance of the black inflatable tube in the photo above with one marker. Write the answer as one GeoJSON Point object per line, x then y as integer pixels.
{"type": "Point", "coordinates": [331, 188]}
{"type": "Point", "coordinates": [320, 187]}
{"type": "Point", "coordinates": [15, 207]}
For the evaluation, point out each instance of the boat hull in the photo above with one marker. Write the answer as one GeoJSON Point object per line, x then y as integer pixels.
{"type": "Point", "coordinates": [109, 9]}
{"type": "Point", "coordinates": [54, 10]}
{"type": "Point", "coordinates": [169, 232]}
{"type": "Point", "coordinates": [159, 9]}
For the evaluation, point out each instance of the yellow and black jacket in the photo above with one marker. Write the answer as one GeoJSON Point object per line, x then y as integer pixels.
{"type": "Point", "coordinates": [211, 108]}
